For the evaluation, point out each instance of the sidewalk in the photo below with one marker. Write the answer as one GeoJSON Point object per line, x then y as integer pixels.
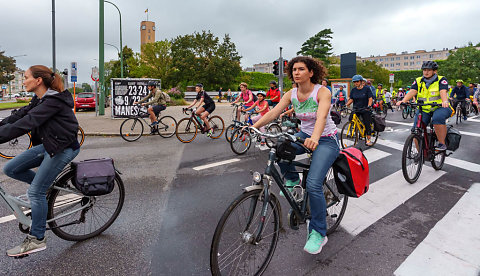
{"type": "Point", "coordinates": [107, 126]}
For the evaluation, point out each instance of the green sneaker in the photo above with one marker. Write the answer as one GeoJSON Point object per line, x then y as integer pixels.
{"type": "Point", "coordinates": [315, 242]}
{"type": "Point", "coordinates": [290, 184]}
{"type": "Point", "coordinates": [30, 245]}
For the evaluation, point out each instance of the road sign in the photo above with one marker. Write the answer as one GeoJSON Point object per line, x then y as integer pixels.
{"type": "Point", "coordinates": [392, 78]}
{"type": "Point", "coordinates": [4, 86]}
{"type": "Point", "coordinates": [95, 75]}
{"type": "Point", "coordinates": [73, 72]}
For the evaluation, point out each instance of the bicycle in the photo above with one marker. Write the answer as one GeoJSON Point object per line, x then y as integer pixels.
{"type": "Point", "coordinates": [420, 145]}
{"type": "Point", "coordinates": [383, 113]}
{"type": "Point", "coordinates": [233, 117]}
{"type": "Point", "coordinates": [20, 144]}
{"type": "Point", "coordinates": [71, 215]}
{"type": "Point", "coordinates": [187, 128]}
{"type": "Point", "coordinates": [408, 111]}
{"type": "Point", "coordinates": [273, 127]}
{"type": "Point", "coordinates": [354, 130]}
{"type": "Point", "coordinates": [132, 128]}
{"type": "Point", "coordinates": [247, 234]}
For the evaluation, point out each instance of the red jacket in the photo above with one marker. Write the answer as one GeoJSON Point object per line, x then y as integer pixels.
{"type": "Point", "coordinates": [272, 93]}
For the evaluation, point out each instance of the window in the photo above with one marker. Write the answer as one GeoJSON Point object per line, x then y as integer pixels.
{"type": "Point", "coordinates": [412, 63]}
{"type": "Point", "coordinates": [148, 37]}
{"type": "Point", "coordinates": [153, 28]}
{"type": "Point", "coordinates": [148, 30]}
{"type": "Point", "coordinates": [392, 59]}
{"type": "Point", "coordinates": [418, 62]}
{"type": "Point", "coordinates": [398, 64]}
{"type": "Point", "coordinates": [144, 27]}
{"type": "Point", "coordinates": [430, 56]}
{"type": "Point", "coordinates": [412, 57]}
{"type": "Point", "coordinates": [397, 58]}
{"type": "Point", "coordinates": [381, 59]}
{"type": "Point", "coordinates": [376, 59]}
{"type": "Point", "coordinates": [405, 57]}
{"type": "Point", "coordinates": [418, 56]}
{"type": "Point", "coordinates": [405, 63]}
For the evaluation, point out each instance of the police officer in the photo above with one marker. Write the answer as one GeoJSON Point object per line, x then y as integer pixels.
{"type": "Point", "coordinates": [432, 88]}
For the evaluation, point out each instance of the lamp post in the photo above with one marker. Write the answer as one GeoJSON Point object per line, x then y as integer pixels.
{"type": "Point", "coordinates": [121, 47]}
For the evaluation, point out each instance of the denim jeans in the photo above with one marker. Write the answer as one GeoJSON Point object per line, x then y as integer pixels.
{"type": "Point", "coordinates": [322, 159]}
{"type": "Point", "coordinates": [48, 169]}
{"type": "Point", "coordinates": [440, 115]}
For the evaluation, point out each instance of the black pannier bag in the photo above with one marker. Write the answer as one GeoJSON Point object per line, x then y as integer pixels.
{"type": "Point", "coordinates": [286, 151]}
{"type": "Point", "coordinates": [94, 177]}
{"type": "Point", "coordinates": [453, 138]}
{"type": "Point", "coordinates": [336, 117]}
{"type": "Point", "coordinates": [379, 123]}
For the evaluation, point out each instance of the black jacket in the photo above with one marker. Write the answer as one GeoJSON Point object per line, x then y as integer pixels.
{"type": "Point", "coordinates": [50, 119]}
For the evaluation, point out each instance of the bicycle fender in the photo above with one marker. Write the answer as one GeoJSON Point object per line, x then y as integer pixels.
{"type": "Point", "coordinates": [252, 188]}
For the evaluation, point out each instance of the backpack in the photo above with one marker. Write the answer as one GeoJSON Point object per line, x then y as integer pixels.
{"type": "Point", "coordinates": [351, 174]}
{"type": "Point", "coordinates": [167, 97]}
{"type": "Point", "coordinates": [255, 98]}
{"type": "Point", "coordinates": [94, 177]}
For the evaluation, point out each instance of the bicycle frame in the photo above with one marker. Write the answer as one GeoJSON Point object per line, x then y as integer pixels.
{"type": "Point", "coordinates": [427, 138]}
{"type": "Point", "coordinates": [357, 124]}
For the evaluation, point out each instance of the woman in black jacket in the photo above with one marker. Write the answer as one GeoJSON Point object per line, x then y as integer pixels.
{"type": "Point", "coordinates": [52, 123]}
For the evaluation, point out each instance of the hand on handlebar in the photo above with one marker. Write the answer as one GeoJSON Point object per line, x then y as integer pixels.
{"type": "Point", "coordinates": [310, 144]}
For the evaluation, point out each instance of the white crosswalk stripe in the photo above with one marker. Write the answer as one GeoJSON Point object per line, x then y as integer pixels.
{"type": "Point", "coordinates": [453, 245]}
{"type": "Point", "coordinates": [383, 197]}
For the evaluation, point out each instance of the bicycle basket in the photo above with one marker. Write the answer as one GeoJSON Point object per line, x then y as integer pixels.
{"type": "Point", "coordinates": [286, 151]}
{"type": "Point", "coordinates": [94, 177]}
{"type": "Point", "coordinates": [453, 138]}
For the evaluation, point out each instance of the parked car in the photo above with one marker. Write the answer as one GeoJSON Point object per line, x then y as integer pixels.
{"type": "Point", "coordinates": [85, 101]}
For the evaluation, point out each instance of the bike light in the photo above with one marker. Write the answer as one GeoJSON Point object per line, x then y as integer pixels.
{"type": "Point", "coordinates": [257, 177]}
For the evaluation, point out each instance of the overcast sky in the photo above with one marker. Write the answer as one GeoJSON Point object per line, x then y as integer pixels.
{"type": "Point", "coordinates": [257, 27]}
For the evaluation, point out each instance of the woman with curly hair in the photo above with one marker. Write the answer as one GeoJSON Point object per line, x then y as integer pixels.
{"type": "Point", "coordinates": [311, 102]}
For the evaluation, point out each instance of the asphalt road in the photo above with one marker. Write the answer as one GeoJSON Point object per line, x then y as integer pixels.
{"type": "Point", "coordinates": [171, 211]}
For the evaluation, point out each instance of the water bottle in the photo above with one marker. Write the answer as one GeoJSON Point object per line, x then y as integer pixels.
{"type": "Point", "coordinates": [199, 119]}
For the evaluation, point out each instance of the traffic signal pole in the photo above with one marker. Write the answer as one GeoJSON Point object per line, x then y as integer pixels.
{"type": "Point", "coordinates": [280, 73]}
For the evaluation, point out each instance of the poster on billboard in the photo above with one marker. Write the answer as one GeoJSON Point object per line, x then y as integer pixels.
{"type": "Point", "coordinates": [336, 87]}
{"type": "Point", "coordinates": [127, 91]}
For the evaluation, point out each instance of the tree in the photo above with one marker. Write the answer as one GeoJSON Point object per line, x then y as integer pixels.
{"type": "Point", "coordinates": [113, 67]}
{"type": "Point", "coordinates": [318, 46]}
{"type": "Point", "coordinates": [200, 57]}
{"type": "Point", "coordinates": [464, 63]}
{"type": "Point", "coordinates": [7, 68]}
{"type": "Point", "coordinates": [86, 87]}
{"type": "Point", "coordinates": [370, 70]}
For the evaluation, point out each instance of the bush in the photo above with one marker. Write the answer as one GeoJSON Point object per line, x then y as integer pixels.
{"type": "Point", "coordinates": [175, 102]}
{"type": "Point", "coordinates": [23, 100]}
{"type": "Point", "coordinates": [175, 93]}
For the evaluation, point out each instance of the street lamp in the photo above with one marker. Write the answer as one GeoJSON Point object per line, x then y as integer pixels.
{"type": "Point", "coordinates": [121, 47]}
{"type": "Point", "coordinates": [113, 47]}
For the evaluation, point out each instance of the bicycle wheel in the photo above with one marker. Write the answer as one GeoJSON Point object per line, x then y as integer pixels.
{"type": "Point", "coordinates": [272, 129]}
{"type": "Point", "coordinates": [241, 141]}
{"type": "Point", "coordinates": [216, 123]}
{"type": "Point", "coordinates": [405, 112]}
{"type": "Point", "coordinates": [16, 146]}
{"type": "Point", "coordinates": [131, 129]}
{"type": "Point", "coordinates": [167, 126]}
{"type": "Point", "coordinates": [234, 249]}
{"type": "Point", "coordinates": [438, 157]}
{"type": "Point", "coordinates": [412, 158]}
{"type": "Point", "coordinates": [186, 130]}
{"type": "Point", "coordinates": [229, 132]}
{"type": "Point", "coordinates": [384, 112]}
{"type": "Point", "coordinates": [459, 116]}
{"type": "Point", "coordinates": [94, 213]}
{"type": "Point", "coordinates": [80, 135]}
{"type": "Point", "coordinates": [412, 112]}
{"type": "Point", "coordinates": [336, 202]}
{"type": "Point", "coordinates": [349, 135]}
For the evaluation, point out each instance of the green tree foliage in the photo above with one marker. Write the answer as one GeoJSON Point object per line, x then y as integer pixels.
{"type": "Point", "coordinates": [318, 46]}
{"type": "Point", "coordinates": [154, 62]}
{"type": "Point", "coordinates": [200, 57]}
{"type": "Point", "coordinates": [406, 77]}
{"type": "Point", "coordinates": [464, 63]}
{"type": "Point", "coordinates": [113, 67]}
{"type": "Point", "coordinates": [7, 68]}
{"type": "Point", "coordinates": [370, 70]}
{"type": "Point", "coordinates": [86, 87]}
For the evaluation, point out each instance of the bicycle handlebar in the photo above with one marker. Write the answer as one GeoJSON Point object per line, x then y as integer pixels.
{"type": "Point", "coordinates": [290, 137]}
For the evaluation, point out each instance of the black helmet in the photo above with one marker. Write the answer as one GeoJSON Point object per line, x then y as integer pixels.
{"type": "Point", "coordinates": [380, 84]}
{"type": "Point", "coordinates": [199, 85]}
{"type": "Point", "coordinates": [274, 83]}
{"type": "Point", "coordinates": [430, 65]}
{"type": "Point", "coordinates": [261, 93]}
{"type": "Point", "coordinates": [152, 83]}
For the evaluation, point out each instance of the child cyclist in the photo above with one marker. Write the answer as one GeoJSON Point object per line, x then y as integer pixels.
{"type": "Point", "coordinates": [262, 109]}
{"type": "Point", "coordinates": [311, 102]}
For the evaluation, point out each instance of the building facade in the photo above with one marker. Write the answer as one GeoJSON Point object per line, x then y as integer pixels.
{"type": "Point", "coordinates": [408, 61]}
{"type": "Point", "coordinates": [147, 32]}
{"type": "Point", "coordinates": [16, 85]}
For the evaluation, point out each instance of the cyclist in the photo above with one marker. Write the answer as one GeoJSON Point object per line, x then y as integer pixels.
{"type": "Point", "coordinates": [362, 99]}
{"type": "Point", "coordinates": [203, 110]}
{"type": "Point", "coordinates": [379, 96]}
{"type": "Point", "coordinates": [340, 95]}
{"type": "Point", "coordinates": [432, 88]}
{"type": "Point", "coordinates": [472, 89]}
{"type": "Point", "coordinates": [248, 99]}
{"type": "Point", "coordinates": [311, 102]}
{"type": "Point", "coordinates": [263, 108]}
{"type": "Point", "coordinates": [53, 125]}
{"type": "Point", "coordinates": [388, 99]}
{"type": "Point", "coordinates": [476, 98]}
{"type": "Point", "coordinates": [274, 94]}
{"type": "Point", "coordinates": [157, 104]}
{"type": "Point", "coordinates": [460, 92]}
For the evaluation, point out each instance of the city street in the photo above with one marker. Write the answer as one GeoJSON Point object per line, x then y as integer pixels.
{"type": "Point", "coordinates": [176, 194]}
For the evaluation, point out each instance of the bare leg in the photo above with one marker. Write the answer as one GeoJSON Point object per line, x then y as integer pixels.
{"type": "Point", "coordinates": [151, 114]}
{"type": "Point", "coordinates": [204, 118]}
{"type": "Point", "coordinates": [441, 131]}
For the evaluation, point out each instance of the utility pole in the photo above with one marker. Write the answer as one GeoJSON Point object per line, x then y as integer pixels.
{"type": "Point", "coordinates": [280, 73]}
{"type": "Point", "coordinates": [101, 53]}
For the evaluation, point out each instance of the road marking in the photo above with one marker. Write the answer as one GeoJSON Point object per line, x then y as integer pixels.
{"type": "Point", "coordinates": [469, 166]}
{"type": "Point", "coordinates": [199, 168]}
{"type": "Point", "coordinates": [383, 197]}
{"type": "Point", "coordinates": [375, 154]}
{"type": "Point", "coordinates": [453, 245]}
{"type": "Point", "coordinates": [473, 120]}
{"type": "Point", "coordinates": [7, 219]}
{"type": "Point", "coordinates": [461, 131]}
{"type": "Point", "coordinates": [399, 123]}
{"type": "Point", "coordinates": [469, 133]}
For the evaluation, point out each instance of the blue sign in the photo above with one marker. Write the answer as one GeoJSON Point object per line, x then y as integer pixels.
{"type": "Point", "coordinates": [4, 86]}
{"type": "Point", "coordinates": [73, 78]}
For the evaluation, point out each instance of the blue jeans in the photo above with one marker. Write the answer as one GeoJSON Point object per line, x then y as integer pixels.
{"type": "Point", "coordinates": [440, 115]}
{"type": "Point", "coordinates": [322, 159]}
{"type": "Point", "coordinates": [48, 169]}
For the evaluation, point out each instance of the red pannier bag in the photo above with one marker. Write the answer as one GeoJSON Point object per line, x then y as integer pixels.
{"type": "Point", "coordinates": [350, 170]}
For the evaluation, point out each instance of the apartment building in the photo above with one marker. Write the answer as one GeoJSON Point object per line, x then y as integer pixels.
{"type": "Point", "coordinates": [408, 61]}
{"type": "Point", "coordinates": [16, 85]}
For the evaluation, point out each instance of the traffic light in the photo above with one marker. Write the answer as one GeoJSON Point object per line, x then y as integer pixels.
{"type": "Point", "coordinates": [275, 68]}
{"type": "Point", "coordinates": [285, 62]}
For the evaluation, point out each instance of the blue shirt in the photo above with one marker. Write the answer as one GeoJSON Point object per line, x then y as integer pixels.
{"type": "Point", "coordinates": [461, 92]}
{"type": "Point", "coordinates": [360, 97]}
